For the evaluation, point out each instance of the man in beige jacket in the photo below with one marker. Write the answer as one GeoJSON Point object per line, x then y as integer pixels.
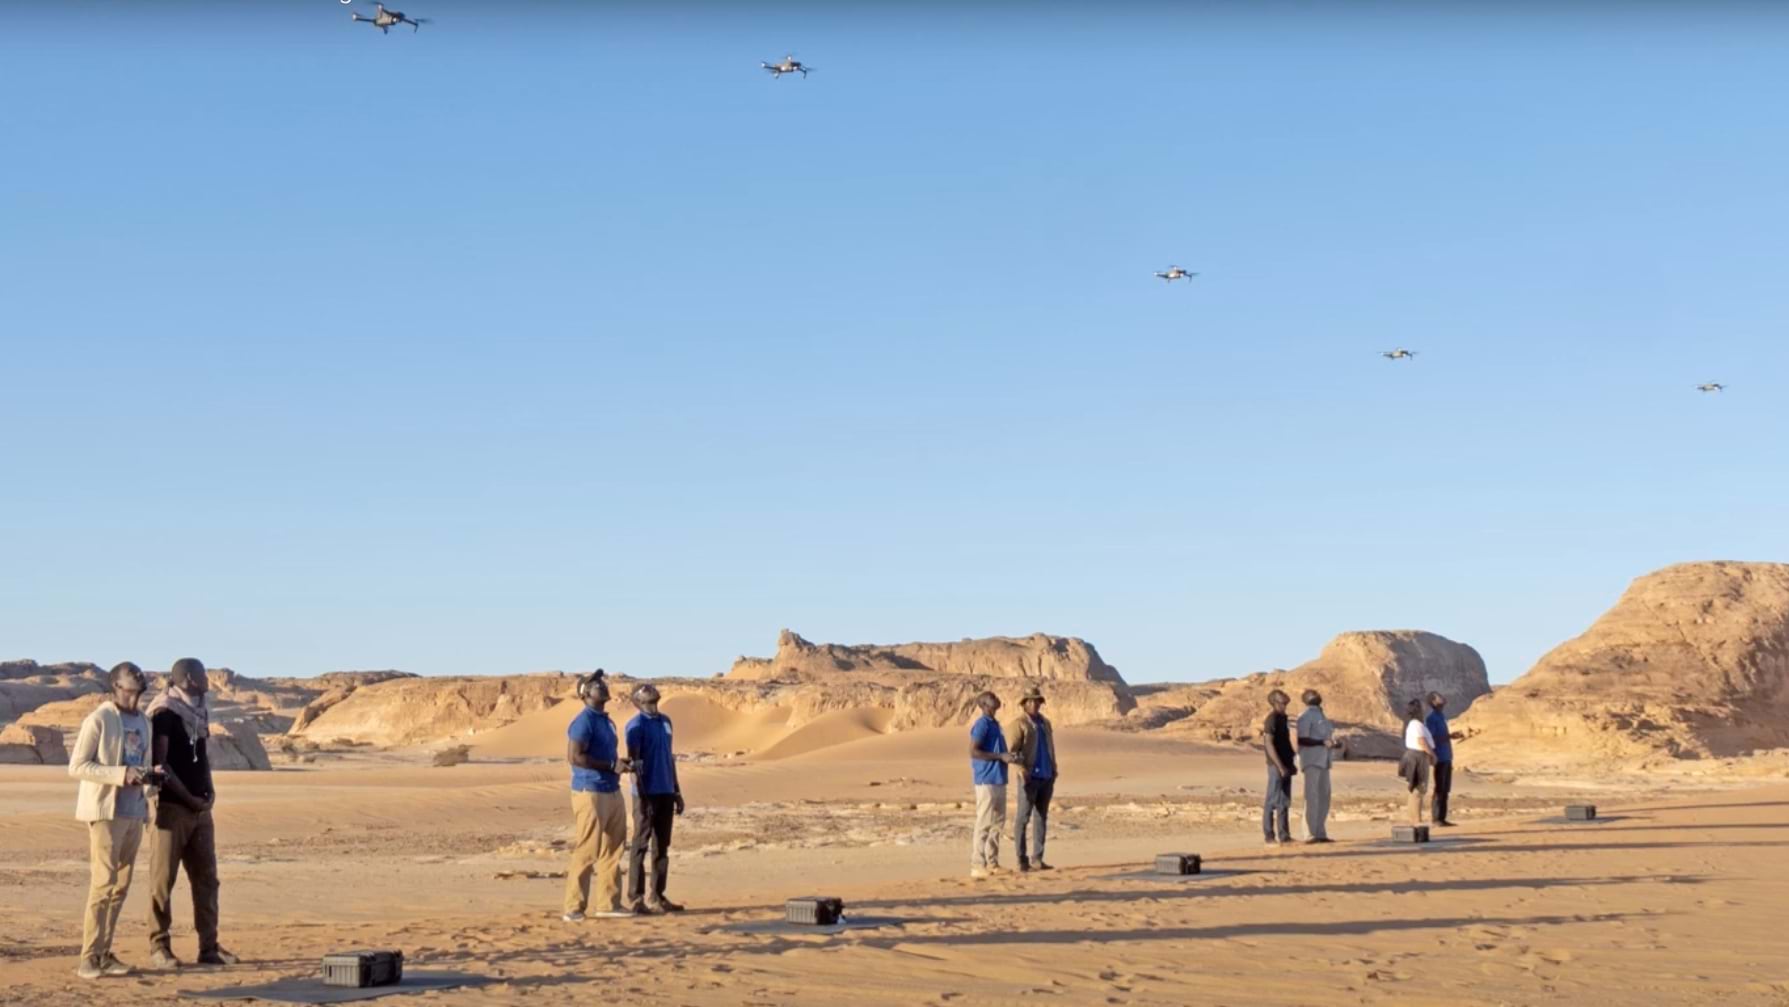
{"type": "Point", "coordinates": [111, 759]}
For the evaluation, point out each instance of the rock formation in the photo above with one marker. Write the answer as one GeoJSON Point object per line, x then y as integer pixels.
{"type": "Point", "coordinates": [1048, 658]}
{"type": "Point", "coordinates": [415, 711]}
{"type": "Point", "coordinates": [1692, 662]}
{"type": "Point", "coordinates": [32, 746]}
{"type": "Point", "coordinates": [1365, 678]}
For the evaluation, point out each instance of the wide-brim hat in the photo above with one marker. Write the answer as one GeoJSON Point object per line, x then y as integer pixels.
{"type": "Point", "coordinates": [1032, 692]}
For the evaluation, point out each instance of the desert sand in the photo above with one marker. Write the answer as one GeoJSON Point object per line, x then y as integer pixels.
{"type": "Point", "coordinates": [842, 770]}
{"type": "Point", "coordinates": [1677, 896]}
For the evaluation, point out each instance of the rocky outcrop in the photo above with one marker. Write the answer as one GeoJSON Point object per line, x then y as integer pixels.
{"type": "Point", "coordinates": [1691, 663]}
{"type": "Point", "coordinates": [1038, 656]}
{"type": "Point", "coordinates": [413, 711]}
{"type": "Point", "coordinates": [32, 746]}
{"type": "Point", "coordinates": [1365, 678]}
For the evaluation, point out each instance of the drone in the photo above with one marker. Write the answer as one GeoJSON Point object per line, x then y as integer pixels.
{"type": "Point", "coordinates": [1712, 386]}
{"type": "Point", "coordinates": [1176, 273]}
{"type": "Point", "coordinates": [789, 65]}
{"type": "Point", "coordinates": [383, 19]}
{"type": "Point", "coordinates": [1398, 354]}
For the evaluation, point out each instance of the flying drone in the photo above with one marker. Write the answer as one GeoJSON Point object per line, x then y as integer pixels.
{"type": "Point", "coordinates": [789, 65]}
{"type": "Point", "coordinates": [383, 19]}
{"type": "Point", "coordinates": [1712, 386]}
{"type": "Point", "coordinates": [1398, 354]}
{"type": "Point", "coordinates": [1176, 273]}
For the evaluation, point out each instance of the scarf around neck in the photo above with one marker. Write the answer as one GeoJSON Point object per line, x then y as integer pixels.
{"type": "Point", "coordinates": [189, 708]}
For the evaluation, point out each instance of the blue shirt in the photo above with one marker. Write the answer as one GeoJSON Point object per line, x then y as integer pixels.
{"type": "Point", "coordinates": [988, 737]}
{"type": "Point", "coordinates": [649, 745]}
{"type": "Point", "coordinates": [1444, 746]}
{"type": "Point", "coordinates": [1043, 764]}
{"type": "Point", "coordinates": [595, 734]}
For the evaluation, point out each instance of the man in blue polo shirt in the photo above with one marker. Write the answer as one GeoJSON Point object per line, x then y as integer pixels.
{"type": "Point", "coordinates": [599, 815]}
{"type": "Point", "coordinates": [988, 759]}
{"type": "Point", "coordinates": [657, 799]}
{"type": "Point", "coordinates": [1436, 722]}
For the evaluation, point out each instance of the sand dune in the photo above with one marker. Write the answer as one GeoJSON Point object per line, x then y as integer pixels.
{"type": "Point", "coordinates": [701, 727]}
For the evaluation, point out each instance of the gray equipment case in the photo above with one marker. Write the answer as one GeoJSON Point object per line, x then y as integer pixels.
{"type": "Point", "coordinates": [363, 968]}
{"type": "Point", "coordinates": [1176, 863]}
{"type": "Point", "coordinates": [1410, 833]}
{"type": "Point", "coordinates": [1580, 812]}
{"type": "Point", "coordinates": [814, 910]}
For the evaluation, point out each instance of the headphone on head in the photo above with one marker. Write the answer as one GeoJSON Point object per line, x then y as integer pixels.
{"type": "Point", "coordinates": [587, 683]}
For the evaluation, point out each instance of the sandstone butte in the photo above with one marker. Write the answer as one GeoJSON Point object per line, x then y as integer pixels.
{"type": "Point", "coordinates": [1365, 679]}
{"type": "Point", "coordinates": [1692, 663]}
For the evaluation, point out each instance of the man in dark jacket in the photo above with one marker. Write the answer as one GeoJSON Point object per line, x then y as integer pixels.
{"type": "Point", "coordinates": [1276, 739]}
{"type": "Point", "coordinates": [184, 835]}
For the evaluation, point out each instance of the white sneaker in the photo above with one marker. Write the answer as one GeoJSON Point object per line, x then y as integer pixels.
{"type": "Point", "coordinates": [89, 969]}
{"type": "Point", "coordinates": [572, 917]}
{"type": "Point", "coordinates": [979, 873]}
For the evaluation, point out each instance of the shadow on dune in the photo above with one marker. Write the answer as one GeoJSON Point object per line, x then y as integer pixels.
{"type": "Point", "coordinates": [1625, 829]}
{"type": "Point", "coordinates": [1707, 807]}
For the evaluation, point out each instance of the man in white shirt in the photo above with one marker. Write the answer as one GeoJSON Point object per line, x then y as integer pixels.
{"type": "Point", "coordinates": [1316, 739]}
{"type": "Point", "coordinates": [111, 759]}
{"type": "Point", "coordinates": [1419, 756]}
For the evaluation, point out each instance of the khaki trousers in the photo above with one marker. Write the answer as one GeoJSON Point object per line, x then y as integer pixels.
{"type": "Point", "coordinates": [112, 856]}
{"type": "Point", "coordinates": [182, 838]}
{"type": "Point", "coordinates": [990, 825]}
{"type": "Point", "coordinates": [1418, 799]}
{"type": "Point", "coordinates": [598, 835]}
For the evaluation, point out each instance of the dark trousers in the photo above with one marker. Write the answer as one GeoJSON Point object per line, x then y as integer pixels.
{"type": "Point", "coordinates": [653, 815]}
{"type": "Point", "coordinates": [1276, 811]}
{"type": "Point", "coordinates": [182, 838]}
{"type": "Point", "coordinates": [1034, 801]}
{"type": "Point", "coordinates": [1444, 784]}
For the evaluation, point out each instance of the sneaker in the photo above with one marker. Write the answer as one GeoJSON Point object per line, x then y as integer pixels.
{"type": "Point", "coordinates": [979, 873]}
{"type": "Point", "coordinates": [110, 965]}
{"type": "Point", "coordinates": [638, 908]}
{"type": "Point", "coordinates": [89, 969]}
{"type": "Point", "coordinates": [1024, 868]}
{"type": "Point", "coordinates": [1445, 824]}
{"type": "Point", "coordinates": [1041, 866]}
{"type": "Point", "coordinates": [1319, 839]}
{"type": "Point", "coordinates": [667, 906]}
{"type": "Point", "coordinates": [217, 956]}
{"type": "Point", "coordinates": [572, 917]}
{"type": "Point", "coordinates": [162, 958]}
{"type": "Point", "coordinates": [617, 913]}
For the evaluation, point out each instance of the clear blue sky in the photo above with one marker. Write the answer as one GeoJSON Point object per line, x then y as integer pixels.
{"type": "Point", "coordinates": [561, 335]}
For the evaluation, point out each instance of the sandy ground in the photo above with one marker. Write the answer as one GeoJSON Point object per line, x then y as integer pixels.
{"type": "Point", "coordinates": [1677, 896]}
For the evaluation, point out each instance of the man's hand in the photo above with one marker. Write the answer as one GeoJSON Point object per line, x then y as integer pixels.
{"type": "Point", "coordinates": [677, 803]}
{"type": "Point", "coordinates": [624, 765]}
{"type": "Point", "coordinates": [133, 776]}
{"type": "Point", "coordinates": [200, 805]}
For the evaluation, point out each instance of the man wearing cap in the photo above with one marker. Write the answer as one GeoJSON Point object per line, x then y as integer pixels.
{"type": "Point", "coordinates": [111, 759]}
{"type": "Point", "coordinates": [599, 813]}
{"type": "Point", "coordinates": [1316, 740]}
{"type": "Point", "coordinates": [184, 835]}
{"type": "Point", "coordinates": [657, 800]}
{"type": "Point", "coordinates": [1034, 754]}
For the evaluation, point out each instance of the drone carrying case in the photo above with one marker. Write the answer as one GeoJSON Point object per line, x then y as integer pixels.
{"type": "Point", "coordinates": [814, 910]}
{"type": "Point", "coordinates": [1580, 812]}
{"type": "Point", "coordinates": [363, 968]}
{"type": "Point", "coordinates": [1177, 863]}
{"type": "Point", "coordinates": [1410, 833]}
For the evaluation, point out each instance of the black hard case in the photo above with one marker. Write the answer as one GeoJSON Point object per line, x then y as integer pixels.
{"type": "Point", "coordinates": [814, 910]}
{"type": "Point", "coordinates": [363, 968]}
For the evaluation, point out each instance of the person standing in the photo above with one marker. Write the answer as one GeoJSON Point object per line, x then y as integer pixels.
{"type": "Point", "coordinates": [1034, 753]}
{"type": "Point", "coordinates": [988, 759]}
{"type": "Point", "coordinates": [599, 813]}
{"type": "Point", "coordinates": [1276, 739]}
{"type": "Point", "coordinates": [657, 801]}
{"type": "Point", "coordinates": [111, 759]}
{"type": "Point", "coordinates": [184, 834]}
{"type": "Point", "coordinates": [1436, 722]}
{"type": "Point", "coordinates": [1419, 757]}
{"type": "Point", "coordinates": [1316, 742]}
